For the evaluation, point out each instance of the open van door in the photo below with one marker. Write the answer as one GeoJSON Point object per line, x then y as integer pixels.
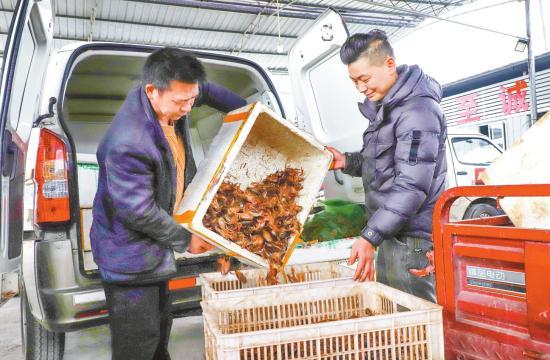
{"type": "Point", "coordinates": [25, 59]}
{"type": "Point", "coordinates": [326, 99]}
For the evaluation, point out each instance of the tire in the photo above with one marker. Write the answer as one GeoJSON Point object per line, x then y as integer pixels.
{"type": "Point", "coordinates": [480, 211]}
{"type": "Point", "coordinates": [38, 342]}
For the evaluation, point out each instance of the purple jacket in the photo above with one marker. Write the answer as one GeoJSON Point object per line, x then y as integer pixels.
{"type": "Point", "coordinates": [133, 231]}
{"type": "Point", "coordinates": [402, 162]}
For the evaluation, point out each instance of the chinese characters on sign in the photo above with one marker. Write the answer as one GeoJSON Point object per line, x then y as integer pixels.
{"type": "Point", "coordinates": [468, 108]}
{"type": "Point", "coordinates": [482, 273]}
{"type": "Point", "coordinates": [514, 98]}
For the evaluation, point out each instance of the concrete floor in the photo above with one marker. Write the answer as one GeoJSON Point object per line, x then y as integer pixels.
{"type": "Point", "coordinates": [94, 344]}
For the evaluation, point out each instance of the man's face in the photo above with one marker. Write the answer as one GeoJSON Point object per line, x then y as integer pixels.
{"type": "Point", "coordinates": [374, 81]}
{"type": "Point", "coordinates": [173, 102]}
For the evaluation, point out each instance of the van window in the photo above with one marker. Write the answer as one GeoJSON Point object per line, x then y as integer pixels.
{"type": "Point", "coordinates": [474, 151]}
{"type": "Point", "coordinates": [21, 76]}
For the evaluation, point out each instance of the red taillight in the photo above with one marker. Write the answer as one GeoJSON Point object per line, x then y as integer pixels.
{"type": "Point", "coordinates": [52, 185]}
{"type": "Point", "coordinates": [477, 172]}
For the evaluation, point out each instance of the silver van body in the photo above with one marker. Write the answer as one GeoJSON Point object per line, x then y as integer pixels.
{"type": "Point", "coordinates": [72, 94]}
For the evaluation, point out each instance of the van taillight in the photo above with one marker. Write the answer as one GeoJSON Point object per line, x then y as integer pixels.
{"type": "Point", "coordinates": [52, 185]}
{"type": "Point", "coordinates": [477, 173]}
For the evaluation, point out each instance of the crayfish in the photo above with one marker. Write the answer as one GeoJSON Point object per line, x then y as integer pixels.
{"type": "Point", "coordinates": [261, 218]}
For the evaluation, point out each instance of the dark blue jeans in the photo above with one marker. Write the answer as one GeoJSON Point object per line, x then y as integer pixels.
{"type": "Point", "coordinates": [396, 256]}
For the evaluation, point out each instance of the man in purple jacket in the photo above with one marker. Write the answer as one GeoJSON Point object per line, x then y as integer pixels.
{"type": "Point", "coordinates": [145, 164]}
{"type": "Point", "coordinates": [402, 164]}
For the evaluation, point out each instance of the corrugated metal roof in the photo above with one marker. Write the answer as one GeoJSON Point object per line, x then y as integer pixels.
{"type": "Point", "coordinates": [246, 27]}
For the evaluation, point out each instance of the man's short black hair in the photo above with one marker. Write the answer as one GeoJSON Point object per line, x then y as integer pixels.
{"type": "Point", "coordinates": [168, 64]}
{"type": "Point", "coordinates": [374, 45]}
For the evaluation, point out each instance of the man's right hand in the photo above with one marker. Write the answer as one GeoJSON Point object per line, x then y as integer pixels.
{"type": "Point", "coordinates": [362, 251]}
{"type": "Point", "coordinates": [198, 245]}
{"type": "Point", "coordinates": [224, 264]}
{"type": "Point", "coordinates": [339, 161]}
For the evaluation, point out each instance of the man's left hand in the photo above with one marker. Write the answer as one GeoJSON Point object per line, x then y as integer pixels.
{"type": "Point", "coordinates": [363, 252]}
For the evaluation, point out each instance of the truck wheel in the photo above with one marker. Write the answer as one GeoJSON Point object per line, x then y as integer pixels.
{"type": "Point", "coordinates": [480, 211]}
{"type": "Point", "coordinates": [38, 342]}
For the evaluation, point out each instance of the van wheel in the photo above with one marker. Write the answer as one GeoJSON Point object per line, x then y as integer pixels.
{"type": "Point", "coordinates": [481, 210]}
{"type": "Point", "coordinates": [38, 342]}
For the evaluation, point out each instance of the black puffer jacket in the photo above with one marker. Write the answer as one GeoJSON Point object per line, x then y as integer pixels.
{"type": "Point", "coordinates": [402, 162]}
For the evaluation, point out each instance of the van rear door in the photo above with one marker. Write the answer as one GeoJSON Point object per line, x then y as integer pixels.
{"type": "Point", "coordinates": [326, 99]}
{"type": "Point", "coordinates": [25, 59]}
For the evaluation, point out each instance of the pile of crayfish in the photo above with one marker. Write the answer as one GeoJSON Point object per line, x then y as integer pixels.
{"type": "Point", "coordinates": [261, 218]}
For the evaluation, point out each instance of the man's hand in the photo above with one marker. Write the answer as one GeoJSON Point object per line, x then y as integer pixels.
{"type": "Point", "coordinates": [339, 160]}
{"type": "Point", "coordinates": [362, 251]}
{"type": "Point", "coordinates": [198, 245]}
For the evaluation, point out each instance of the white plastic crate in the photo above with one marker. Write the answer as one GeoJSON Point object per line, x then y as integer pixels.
{"type": "Point", "coordinates": [253, 143]}
{"type": "Point", "coordinates": [218, 286]}
{"type": "Point", "coordinates": [317, 324]}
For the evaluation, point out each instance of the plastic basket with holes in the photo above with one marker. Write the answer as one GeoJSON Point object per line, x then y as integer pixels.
{"type": "Point", "coordinates": [297, 277]}
{"type": "Point", "coordinates": [353, 321]}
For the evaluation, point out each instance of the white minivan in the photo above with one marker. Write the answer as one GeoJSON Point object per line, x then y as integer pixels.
{"type": "Point", "coordinates": [55, 107]}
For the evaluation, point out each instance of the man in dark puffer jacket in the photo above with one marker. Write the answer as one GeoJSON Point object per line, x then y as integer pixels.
{"type": "Point", "coordinates": [402, 164]}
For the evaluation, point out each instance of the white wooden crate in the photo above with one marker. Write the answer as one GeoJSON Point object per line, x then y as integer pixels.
{"type": "Point", "coordinates": [304, 325]}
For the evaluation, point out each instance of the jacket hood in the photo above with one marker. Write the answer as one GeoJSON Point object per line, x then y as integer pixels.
{"type": "Point", "coordinates": [411, 82]}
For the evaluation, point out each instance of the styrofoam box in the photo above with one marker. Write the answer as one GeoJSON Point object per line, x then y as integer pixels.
{"type": "Point", "coordinates": [303, 325]}
{"type": "Point", "coordinates": [219, 286]}
{"type": "Point", "coordinates": [88, 172]}
{"type": "Point", "coordinates": [331, 250]}
{"type": "Point", "coordinates": [85, 227]}
{"type": "Point", "coordinates": [252, 143]}
{"type": "Point", "coordinates": [525, 162]}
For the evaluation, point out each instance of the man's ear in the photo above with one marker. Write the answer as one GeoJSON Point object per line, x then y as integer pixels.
{"type": "Point", "coordinates": [390, 62]}
{"type": "Point", "coordinates": [150, 90]}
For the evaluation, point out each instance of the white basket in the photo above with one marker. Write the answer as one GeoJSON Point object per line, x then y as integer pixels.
{"type": "Point", "coordinates": [218, 286]}
{"type": "Point", "coordinates": [303, 325]}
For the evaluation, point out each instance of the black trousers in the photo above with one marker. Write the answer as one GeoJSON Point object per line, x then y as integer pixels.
{"type": "Point", "coordinates": [140, 320]}
{"type": "Point", "coordinates": [396, 256]}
